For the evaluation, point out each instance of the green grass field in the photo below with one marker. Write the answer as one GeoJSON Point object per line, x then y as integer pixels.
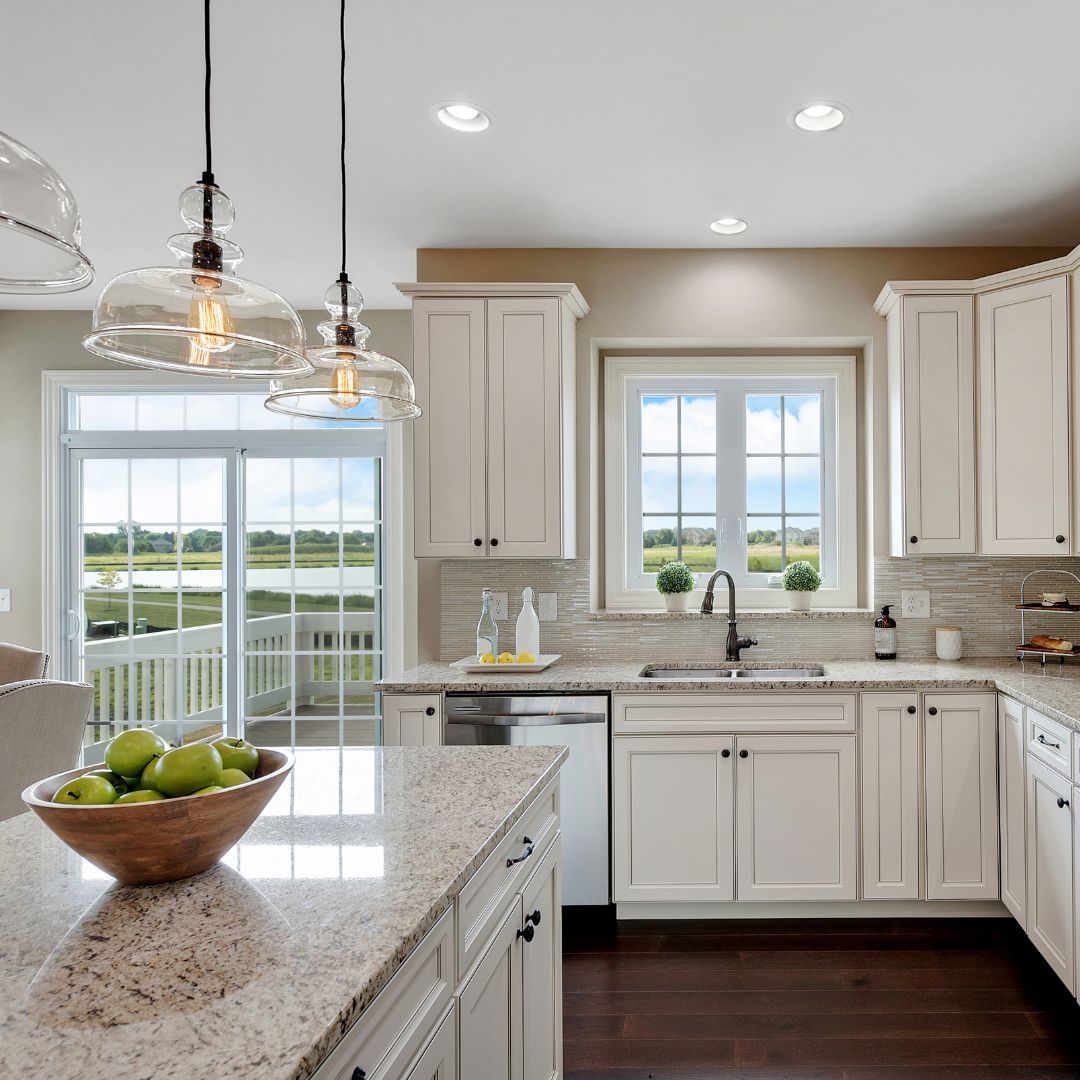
{"type": "Point", "coordinates": [266, 558]}
{"type": "Point", "coordinates": [760, 558]}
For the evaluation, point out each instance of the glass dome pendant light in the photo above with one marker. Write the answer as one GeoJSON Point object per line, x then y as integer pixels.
{"type": "Point", "coordinates": [351, 384]}
{"type": "Point", "coordinates": [40, 230]}
{"type": "Point", "coordinates": [199, 317]}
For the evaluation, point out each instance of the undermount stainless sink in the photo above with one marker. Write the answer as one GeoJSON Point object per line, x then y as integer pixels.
{"type": "Point", "coordinates": [695, 673]}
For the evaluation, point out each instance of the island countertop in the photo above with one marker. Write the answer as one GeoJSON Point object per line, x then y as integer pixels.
{"type": "Point", "coordinates": [257, 967]}
{"type": "Point", "coordinates": [1053, 689]}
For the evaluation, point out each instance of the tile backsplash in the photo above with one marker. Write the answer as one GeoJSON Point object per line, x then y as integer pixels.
{"type": "Point", "coordinates": [977, 594]}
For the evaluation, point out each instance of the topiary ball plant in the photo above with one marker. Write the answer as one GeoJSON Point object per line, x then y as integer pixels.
{"type": "Point", "coordinates": [675, 583]}
{"type": "Point", "coordinates": [800, 580]}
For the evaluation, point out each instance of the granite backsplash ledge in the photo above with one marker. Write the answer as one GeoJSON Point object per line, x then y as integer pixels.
{"type": "Point", "coordinates": [977, 594]}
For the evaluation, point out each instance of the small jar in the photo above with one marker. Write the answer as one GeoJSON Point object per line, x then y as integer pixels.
{"type": "Point", "coordinates": [950, 643]}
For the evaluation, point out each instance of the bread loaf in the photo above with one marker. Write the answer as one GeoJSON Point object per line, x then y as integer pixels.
{"type": "Point", "coordinates": [1051, 644]}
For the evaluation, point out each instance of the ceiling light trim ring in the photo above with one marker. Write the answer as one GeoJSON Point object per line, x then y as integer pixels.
{"type": "Point", "coordinates": [483, 121]}
{"type": "Point", "coordinates": [816, 125]}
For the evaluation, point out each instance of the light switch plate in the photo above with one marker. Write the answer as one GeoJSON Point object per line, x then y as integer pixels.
{"type": "Point", "coordinates": [5, 599]}
{"type": "Point", "coordinates": [549, 607]}
{"type": "Point", "coordinates": [915, 603]}
{"type": "Point", "coordinates": [499, 606]}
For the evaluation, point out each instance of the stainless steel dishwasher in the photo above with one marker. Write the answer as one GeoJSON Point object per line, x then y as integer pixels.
{"type": "Point", "coordinates": [580, 723]}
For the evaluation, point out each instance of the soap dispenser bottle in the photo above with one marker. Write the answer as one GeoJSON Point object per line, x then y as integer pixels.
{"type": "Point", "coordinates": [885, 635]}
{"type": "Point", "coordinates": [528, 627]}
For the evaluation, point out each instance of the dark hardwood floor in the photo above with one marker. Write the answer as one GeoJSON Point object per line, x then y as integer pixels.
{"type": "Point", "coordinates": [927, 999]}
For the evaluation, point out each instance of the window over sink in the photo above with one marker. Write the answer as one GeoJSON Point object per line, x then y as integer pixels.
{"type": "Point", "coordinates": [744, 464]}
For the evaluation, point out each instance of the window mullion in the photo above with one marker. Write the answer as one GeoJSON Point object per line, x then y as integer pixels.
{"type": "Point", "coordinates": [730, 478]}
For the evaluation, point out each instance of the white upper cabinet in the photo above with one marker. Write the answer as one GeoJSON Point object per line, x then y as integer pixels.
{"type": "Point", "coordinates": [1024, 487]}
{"type": "Point", "coordinates": [494, 449]}
{"type": "Point", "coordinates": [932, 425]}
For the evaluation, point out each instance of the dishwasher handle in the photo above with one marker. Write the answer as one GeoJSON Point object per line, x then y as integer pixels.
{"type": "Point", "coordinates": [525, 719]}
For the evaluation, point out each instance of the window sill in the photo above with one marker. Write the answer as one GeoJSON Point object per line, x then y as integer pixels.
{"type": "Point", "coordinates": [720, 611]}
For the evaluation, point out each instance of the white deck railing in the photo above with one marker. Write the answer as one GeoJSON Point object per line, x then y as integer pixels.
{"type": "Point", "coordinates": [135, 679]}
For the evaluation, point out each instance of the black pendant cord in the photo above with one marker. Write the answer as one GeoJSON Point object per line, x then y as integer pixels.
{"type": "Point", "coordinates": [208, 174]}
{"type": "Point", "coordinates": [344, 277]}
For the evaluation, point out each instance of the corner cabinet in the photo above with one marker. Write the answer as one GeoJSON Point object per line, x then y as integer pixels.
{"type": "Point", "coordinates": [493, 452]}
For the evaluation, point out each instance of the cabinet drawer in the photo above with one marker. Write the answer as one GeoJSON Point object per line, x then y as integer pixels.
{"type": "Point", "coordinates": [396, 1024]}
{"type": "Point", "coordinates": [732, 712]}
{"type": "Point", "coordinates": [438, 1060]}
{"type": "Point", "coordinates": [412, 720]}
{"type": "Point", "coordinates": [1050, 742]}
{"type": "Point", "coordinates": [483, 900]}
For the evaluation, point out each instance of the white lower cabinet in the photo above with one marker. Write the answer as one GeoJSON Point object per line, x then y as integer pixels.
{"type": "Point", "coordinates": [1012, 797]}
{"type": "Point", "coordinates": [1050, 917]}
{"type": "Point", "coordinates": [796, 817]}
{"type": "Point", "coordinates": [439, 1059]}
{"type": "Point", "coordinates": [541, 970]}
{"type": "Point", "coordinates": [960, 765]}
{"type": "Point", "coordinates": [412, 720]}
{"type": "Point", "coordinates": [674, 817]}
{"type": "Point", "coordinates": [890, 796]}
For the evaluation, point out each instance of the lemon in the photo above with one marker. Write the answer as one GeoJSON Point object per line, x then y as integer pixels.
{"type": "Point", "coordinates": [487, 658]}
{"type": "Point", "coordinates": [526, 658]}
{"type": "Point", "coordinates": [506, 658]}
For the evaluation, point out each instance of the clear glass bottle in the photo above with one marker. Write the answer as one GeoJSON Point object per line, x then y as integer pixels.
{"type": "Point", "coordinates": [487, 633]}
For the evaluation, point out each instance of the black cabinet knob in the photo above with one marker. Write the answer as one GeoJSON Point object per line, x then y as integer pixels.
{"type": "Point", "coordinates": [534, 918]}
{"type": "Point", "coordinates": [1062, 803]}
{"type": "Point", "coordinates": [913, 539]}
{"type": "Point", "coordinates": [528, 933]}
{"type": "Point", "coordinates": [932, 711]}
{"type": "Point", "coordinates": [744, 753]}
{"type": "Point", "coordinates": [359, 1074]}
{"type": "Point", "coordinates": [493, 542]}
{"type": "Point", "coordinates": [1059, 538]}
{"type": "Point", "coordinates": [429, 711]}
{"type": "Point", "coordinates": [478, 542]}
{"type": "Point", "coordinates": [911, 710]}
{"type": "Point", "coordinates": [725, 753]}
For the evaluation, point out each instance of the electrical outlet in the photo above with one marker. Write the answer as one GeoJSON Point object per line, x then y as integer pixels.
{"type": "Point", "coordinates": [499, 606]}
{"type": "Point", "coordinates": [915, 603]}
{"type": "Point", "coordinates": [5, 599]}
{"type": "Point", "coordinates": [549, 607]}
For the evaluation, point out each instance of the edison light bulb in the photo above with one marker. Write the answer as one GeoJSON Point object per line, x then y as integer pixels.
{"type": "Point", "coordinates": [343, 384]}
{"type": "Point", "coordinates": [212, 317]}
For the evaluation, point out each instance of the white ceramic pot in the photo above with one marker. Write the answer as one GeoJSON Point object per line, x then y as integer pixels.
{"type": "Point", "coordinates": [676, 601]}
{"type": "Point", "coordinates": [799, 601]}
{"type": "Point", "coordinates": [950, 643]}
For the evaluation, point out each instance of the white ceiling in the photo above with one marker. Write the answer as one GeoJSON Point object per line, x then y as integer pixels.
{"type": "Point", "coordinates": [619, 123]}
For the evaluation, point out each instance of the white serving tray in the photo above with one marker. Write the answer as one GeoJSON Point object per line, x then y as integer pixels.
{"type": "Point", "coordinates": [471, 666]}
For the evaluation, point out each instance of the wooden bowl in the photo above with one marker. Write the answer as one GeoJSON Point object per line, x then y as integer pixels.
{"type": "Point", "coordinates": [148, 843]}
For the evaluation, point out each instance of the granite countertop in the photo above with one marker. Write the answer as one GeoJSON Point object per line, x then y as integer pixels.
{"type": "Point", "coordinates": [258, 966]}
{"type": "Point", "coordinates": [1053, 689]}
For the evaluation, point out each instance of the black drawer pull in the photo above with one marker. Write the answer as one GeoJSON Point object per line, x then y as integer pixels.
{"type": "Point", "coordinates": [911, 710]}
{"type": "Point", "coordinates": [429, 711]}
{"type": "Point", "coordinates": [1062, 803]}
{"type": "Point", "coordinates": [478, 542]}
{"type": "Point", "coordinates": [914, 540]}
{"type": "Point", "coordinates": [524, 855]}
{"type": "Point", "coordinates": [932, 711]}
{"type": "Point", "coordinates": [725, 753]}
{"type": "Point", "coordinates": [494, 542]}
{"type": "Point", "coordinates": [528, 933]}
{"type": "Point", "coordinates": [534, 918]}
{"type": "Point", "coordinates": [359, 1074]}
{"type": "Point", "coordinates": [1059, 538]}
{"type": "Point", "coordinates": [744, 753]}
{"type": "Point", "coordinates": [1046, 742]}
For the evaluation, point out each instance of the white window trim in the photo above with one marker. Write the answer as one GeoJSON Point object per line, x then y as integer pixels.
{"type": "Point", "coordinates": [55, 384]}
{"type": "Point", "coordinates": [620, 374]}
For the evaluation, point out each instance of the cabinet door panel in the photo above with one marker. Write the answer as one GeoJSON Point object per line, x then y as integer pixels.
{"type": "Point", "coordinates": [438, 1060]}
{"type": "Point", "coordinates": [673, 817]}
{"type": "Point", "coordinates": [1050, 870]}
{"type": "Point", "coordinates": [489, 1007]}
{"type": "Point", "coordinates": [1012, 797]}
{"type": "Point", "coordinates": [524, 424]}
{"type": "Point", "coordinates": [412, 720]}
{"type": "Point", "coordinates": [960, 763]}
{"type": "Point", "coordinates": [939, 424]}
{"type": "Point", "coordinates": [890, 796]}
{"type": "Point", "coordinates": [795, 812]}
{"type": "Point", "coordinates": [1024, 420]}
{"type": "Point", "coordinates": [541, 971]}
{"type": "Point", "coordinates": [450, 444]}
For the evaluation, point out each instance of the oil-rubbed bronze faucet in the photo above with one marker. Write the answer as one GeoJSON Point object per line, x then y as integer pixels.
{"type": "Point", "coordinates": [735, 644]}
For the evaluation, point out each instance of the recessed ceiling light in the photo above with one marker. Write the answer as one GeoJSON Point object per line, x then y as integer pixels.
{"type": "Point", "coordinates": [461, 116]}
{"type": "Point", "coordinates": [820, 116]}
{"type": "Point", "coordinates": [728, 226]}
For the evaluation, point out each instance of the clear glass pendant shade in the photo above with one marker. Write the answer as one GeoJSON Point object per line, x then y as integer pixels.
{"type": "Point", "coordinates": [39, 226]}
{"type": "Point", "coordinates": [350, 383]}
{"type": "Point", "coordinates": [199, 317]}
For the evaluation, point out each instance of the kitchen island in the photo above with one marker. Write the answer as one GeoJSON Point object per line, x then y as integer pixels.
{"type": "Point", "coordinates": [260, 966]}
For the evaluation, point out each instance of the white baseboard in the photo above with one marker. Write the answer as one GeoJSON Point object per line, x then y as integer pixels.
{"type": "Point", "coordinates": [853, 909]}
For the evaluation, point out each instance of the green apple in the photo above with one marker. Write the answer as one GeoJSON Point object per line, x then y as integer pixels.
{"type": "Point", "coordinates": [86, 790]}
{"type": "Point", "coordinates": [120, 783]}
{"type": "Point", "coordinates": [208, 790]}
{"type": "Point", "coordinates": [238, 754]}
{"type": "Point", "coordinates": [187, 769]}
{"type": "Point", "coordinates": [234, 778]}
{"type": "Point", "coordinates": [130, 751]}
{"type": "Point", "coordinates": [146, 777]}
{"type": "Point", "coordinates": [140, 796]}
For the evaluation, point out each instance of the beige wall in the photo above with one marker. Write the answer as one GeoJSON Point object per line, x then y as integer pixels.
{"type": "Point", "coordinates": [803, 297]}
{"type": "Point", "coordinates": [35, 341]}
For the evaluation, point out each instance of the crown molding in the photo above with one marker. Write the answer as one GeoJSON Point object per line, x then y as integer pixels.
{"type": "Point", "coordinates": [566, 291]}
